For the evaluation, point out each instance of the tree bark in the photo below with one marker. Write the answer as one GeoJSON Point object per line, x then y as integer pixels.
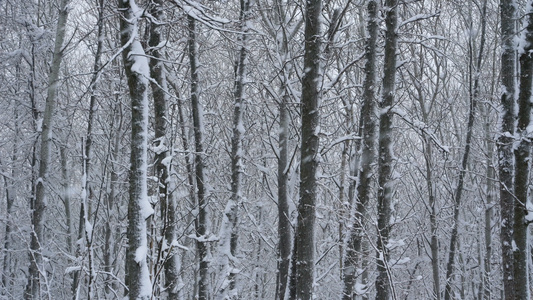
{"type": "Point", "coordinates": [197, 116]}
{"type": "Point", "coordinates": [522, 161]}
{"type": "Point", "coordinates": [136, 67]}
{"type": "Point", "coordinates": [489, 194]}
{"type": "Point", "coordinates": [365, 168]}
{"type": "Point", "coordinates": [505, 143]}
{"type": "Point", "coordinates": [284, 223]}
{"type": "Point", "coordinates": [305, 230]}
{"type": "Point", "coordinates": [39, 205]}
{"type": "Point", "coordinates": [173, 282]}
{"type": "Point", "coordinates": [385, 154]}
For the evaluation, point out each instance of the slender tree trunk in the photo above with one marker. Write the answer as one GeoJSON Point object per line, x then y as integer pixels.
{"type": "Point", "coordinates": [173, 280]}
{"type": "Point", "coordinates": [11, 195]}
{"type": "Point", "coordinates": [385, 154]}
{"type": "Point", "coordinates": [305, 230]}
{"type": "Point", "coordinates": [38, 210]}
{"type": "Point", "coordinates": [284, 223]}
{"type": "Point", "coordinates": [66, 196]}
{"type": "Point", "coordinates": [505, 143]}
{"type": "Point", "coordinates": [522, 162]}
{"type": "Point", "coordinates": [136, 66]}
{"type": "Point", "coordinates": [368, 133]}
{"type": "Point", "coordinates": [229, 228]}
{"type": "Point", "coordinates": [434, 243]}
{"type": "Point", "coordinates": [85, 225]}
{"type": "Point", "coordinates": [6, 256]}
{"type": "Point", "coordinates": [486, 282]}
{"type": "Point", "coordinates": [474, 94]}
{"type": "Point", "coordinates": [197, 116]}
{"type": "Point", "coordinates": [110, 200]}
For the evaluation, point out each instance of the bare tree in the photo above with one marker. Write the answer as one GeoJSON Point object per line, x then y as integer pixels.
{"type": "Point", "coordinates": [137, 70]}
{"type": "Point", "coordinates": [474, 67]}
{"type": "Point", "coordinates": [229, 228]}
{"type": "Point", "coordinates": [522, 215]}
{"type": "Point", "coordinates": [305, 228]}
{"type": "Point", "coordinates": [367, 160]}
{"type": "Point", "coordinates": [170, 255]}
{"type": "Point", "coordinates": [385, 154]}
{"type": "Point", "coordinates": [505, 143]}
{"type": "Point", "coordinates": [39, 205]}
{"type": "Point", "coordinates": [197, 116]}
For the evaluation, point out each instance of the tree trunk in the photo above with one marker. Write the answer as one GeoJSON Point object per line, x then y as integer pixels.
{"type": "Point", "coordinates": [201, 219]}
{"type": "Point", "coordinates": [173, 282]}
{"type": "Point", "coordinates": [10, 200]}
{"type": "Point", "coordinates": [385, 154]}
{"type": "Point", "coordinates": [229, 229]}
{"type": "Point", "coordinates": [39, 206]}
{"type": "Point", "coordinates": [486, 276]}
{"type": "Point", "coordinates": [474, 94]}
{"type": "Point", "coordinates": [11, 195]}
{"type": "Point", "coordinates": [305, 230]}
{"type": "Point", "coordinates": [505, 143]}
{"type": "Point", "coordinates": [365, 168]}
{"type": "Point", "coordinates": [111, 200]}
{"type": "Point", "coordinates": [522, 161]}
{"type": "Point", "coordinates": [284, 223]}
{"type": "Point", "coordinates": [136, 66]}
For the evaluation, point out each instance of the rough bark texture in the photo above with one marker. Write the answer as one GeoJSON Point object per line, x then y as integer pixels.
{"type": "Point", "coordinates": [368, 129]}
{"type": "Point", "coordinates": [305, 233]}
{"type": "Point", "coordinates": [505, 143]}
{"type": "Point", "coordinates": [137, 274]}
{"type": "Point", "coordinates": [172, 282]}
{"type": "Point", "coordinates": [522, 161]}
{"type": "Point", "coordinates": [39, 206]}
{"type": "Point", "coordinates": [489, 194]}
{"type": "Point", "coordinates": [385, 154]}
{"type": "Point", "coordinates": [201, 218]}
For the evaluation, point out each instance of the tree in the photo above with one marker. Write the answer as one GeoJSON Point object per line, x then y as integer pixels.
{"type": "Point", "coordinates": [38, 207]}
{"type": "Point", "coordinates": [473, 68]}
{"type": "Point", "coordinates": [385, 154]}
{"type": "Point", "coordinates": [137, 71]}
{"type": "Point", "coordinates": [367, 160]}
{"type": "Point", "coordinates": [229, 228]}
{"type": "Point", "coordinates": [522, 153]}
{"type": "Point", "coordinates": [505, 143]}
{"type": "Point", "coordinates": [305, 228]}
{"type": "Point", "coordinates": [163, 156]}
{"type": "Point", "coordinates": [198, 128]}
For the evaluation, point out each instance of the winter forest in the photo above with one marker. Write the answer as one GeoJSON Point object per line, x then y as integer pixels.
{"type": "Point", "coordinates": [266, 149]}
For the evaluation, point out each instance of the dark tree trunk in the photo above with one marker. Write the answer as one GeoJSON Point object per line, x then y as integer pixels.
{"type": "Point", "coordinates": [505, 143]}
{"type": "Point", "coordinates": [365, 168]}
{"type": "Point", "coordinates": [385, 155]}
{"type": "Point", "coordinates": [522, 162]}
{"type": "Point", "coordinates": [305, 230]}
{"type": "Point", "coordinates": [201, 219]}
{"type": "Point", "coordinates": [136, 66]}
{"type": "Point", "coordinates": [171, 264]}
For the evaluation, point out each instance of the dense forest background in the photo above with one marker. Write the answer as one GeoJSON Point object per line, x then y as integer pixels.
{"type": "Point", "coordinates": [265, 149]}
